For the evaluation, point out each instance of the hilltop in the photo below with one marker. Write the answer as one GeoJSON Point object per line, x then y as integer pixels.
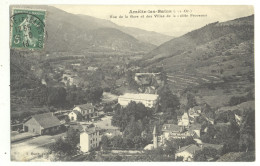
{"type": "Point", "coordinates": [215, 62]}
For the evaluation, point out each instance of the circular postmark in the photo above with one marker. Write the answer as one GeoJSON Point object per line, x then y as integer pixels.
{"type": "Point", "coordinates": [27, 28]}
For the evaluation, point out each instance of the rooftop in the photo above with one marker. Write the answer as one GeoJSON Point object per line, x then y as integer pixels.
{"type": "Point", "coordinates": [192, 148]}
{"type": "Point", "coordinates": [85, 106]}
{"type": "Point", "coordinates": [47, 120]}
{"type": "Point", "coordinates": [112, 132]}
{"type": "Point", "coordinates": [171, 127]}
{"type": "Point", "coordinates": [91, 130]}
{"type": "Point", "coordinates": [195, 126]}
{"type": "Point", "coordinates": [139, 96]}
{"type": "Point", "coordinates": [215, 146]}
{"type": "Point", "coordinates": [77, 112]}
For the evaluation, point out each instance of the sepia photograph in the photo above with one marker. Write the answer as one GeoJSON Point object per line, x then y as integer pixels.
{"type": "Point", "coordinates": [132, 83]}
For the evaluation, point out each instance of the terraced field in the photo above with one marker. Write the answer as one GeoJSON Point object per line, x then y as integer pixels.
{"type": "Point", "coordinates": [180, 81]}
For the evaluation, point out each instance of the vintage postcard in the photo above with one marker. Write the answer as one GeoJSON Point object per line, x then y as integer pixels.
{"type": "Point", "coordinates": [132, 83]}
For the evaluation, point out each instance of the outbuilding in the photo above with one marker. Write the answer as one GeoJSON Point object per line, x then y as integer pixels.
{"type": "Point", "coordinates": [42, 124]}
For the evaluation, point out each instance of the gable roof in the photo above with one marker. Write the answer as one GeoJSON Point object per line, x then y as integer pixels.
{"type": "Point", "coordinates": [139, 96]}
{"type": "Point", "coordinates": [85, 106]}
{"type": "Point", "coordinates": [196, 108]}
{"type": "Point", "coordinates": [47, 120]}
{"type": "Point", "coordinates": [215, 146]}
{"type": "Point", "coordinates": [195, 126]}
{"type": "Point", "coordinates": [76, 112]}
{"type": "Point", "coordinates": [171, 127]}
{"type": "Point", "coordinates": [192, 148]}
{"type": "Point", "coordinates": [91, 130]}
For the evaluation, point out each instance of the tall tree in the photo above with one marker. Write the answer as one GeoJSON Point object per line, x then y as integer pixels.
{"type": "Point", "coordinates": [247, 131]}
{"type": "Point", "coordinates": [168, 100]}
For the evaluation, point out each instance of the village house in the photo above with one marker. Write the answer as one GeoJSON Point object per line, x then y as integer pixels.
{"type": "Point", "coordinates": [187, 152]}
{"type": "Point", "coordinates": [112, 133]}
{"type": "Point", "coordinates": [184, 121]}
{"type": "Point", "coordinates": [195, 130]}
{"type": "Point", "coordinates": [42, 124]}
{"type": "Point", "coordinates": [194, 112]}
{"type": "Point", "coordinates": [89, 139]}
{"type": "Point", "coordinates": [148, 100]}
{"type": "Point", "coordinates": [88, 111]}
{"type": "Point", "coordinates": [75, 116]}
{"type": "Point", "coordinates": [173, 131]}
{"type": "Point", "coordinates": [182, 130]}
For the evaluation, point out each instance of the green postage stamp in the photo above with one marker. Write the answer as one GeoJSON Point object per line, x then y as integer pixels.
{"type": "Point", "coordinates": [27, 28]}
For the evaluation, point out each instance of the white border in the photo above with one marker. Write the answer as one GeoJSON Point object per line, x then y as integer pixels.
{"type": "Point", "coordinates": [5, 72]}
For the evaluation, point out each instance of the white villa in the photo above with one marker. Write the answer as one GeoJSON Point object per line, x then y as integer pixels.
{"type": "Point", "coordinates": [149, 100]}
{"type": "Point", "coordinates": [89, 139]}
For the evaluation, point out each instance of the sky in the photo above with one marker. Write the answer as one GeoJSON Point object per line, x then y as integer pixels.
{"type": "Point", "coordinates": [173, 26]}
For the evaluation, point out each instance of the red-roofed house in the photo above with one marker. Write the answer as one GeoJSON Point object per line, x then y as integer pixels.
{"type": "Point", "coordinates": [46, 123]}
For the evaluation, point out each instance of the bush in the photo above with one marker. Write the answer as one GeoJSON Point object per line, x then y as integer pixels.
{"type": "Point", "coordinates": [235, 100]}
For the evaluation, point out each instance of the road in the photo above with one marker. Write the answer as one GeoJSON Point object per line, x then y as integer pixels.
{"type": "Point", "coordinates": [30, 149]}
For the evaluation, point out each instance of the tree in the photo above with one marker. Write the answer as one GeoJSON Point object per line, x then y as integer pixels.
{"type": "Point", "coordinates": [159, 154]}
{"type": "Point", "coordinates": [117, 158]}
{"type": "Point", "coordinates": [205, 154]}
{"type": "Point", "coordinates": [247, 131]}
{"type": "Point", "coordinates": [170, 149]}
{"type": "Point", "coordinates": [230, 145]}
{"type": "Point", "coordinates": [168, 100]}
{"type": "Point", "coordinates": [73, 137]}
{"type": "Point", "coordinates": [128, 142]}
{"type": "Point", "coordinates": [208, 111]}
{"type": "Point", "coordinates": [91, 156]}
{"type": "Point", "coordinates": [57, 97]}
{"type": "Point", "coordinates": [108, 109]}
{"type": "Point", "coordinates": [138, 142]}
{"type": "Point", "coordinates": [182, 142]}
{"type": "Point", "coordinates": [191, 101]}
{"type": "Point", "coordinates": [105, 142]}
{"type": "Point", "coordinates": [39, 95]}
{"type": "Point", "coordinates": [131, 82]}
{"type": "Point", "coordinates": [62, 150]}
{"type": "Point", "coordinates": [134, 128]}
{"type": "Point", "coordinates": [117, 141]}
{"type": "Point", "coordinates": [133, 112]}
{"type": "Point", "coordinates": [94, 94]}
{"type": "Point", "coordinates": [208, 137]}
